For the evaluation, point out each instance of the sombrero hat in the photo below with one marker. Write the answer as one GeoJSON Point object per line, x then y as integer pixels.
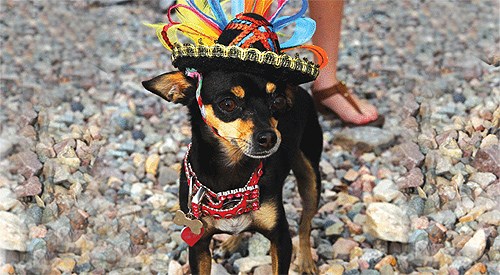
{"type": "Point", "coordinates": [247, 40]}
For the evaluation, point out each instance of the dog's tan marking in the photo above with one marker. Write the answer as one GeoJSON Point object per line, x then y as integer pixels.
{"type": "Point", "coordinates": [237, 135]}
{"type": "Point", "coordinates": [273, 122]}
{"type": "Point", "coordinates": [274, 258]}
{"type": "Point", "coordinates": [232, 244]}
{"type": "Point", "coordinates": [205, 263]}
{"type": "Point", "coordinates": [306, 183]}
{"type": "Point", "coordinates": [171, 86]}
{"type": "Point", "coordinates": [270, 87]}
{"type": "Point", "coordinates": [266, 217]}
{"type": "Point", "coordinates": [238, 91]}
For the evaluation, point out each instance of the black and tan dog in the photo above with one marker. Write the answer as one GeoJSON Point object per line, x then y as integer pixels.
{"type": "Point", "coordinates": [249, 119]}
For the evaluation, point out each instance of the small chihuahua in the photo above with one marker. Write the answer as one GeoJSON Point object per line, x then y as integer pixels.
{"type": "Point", "coordinates": [250, 124]}
{"type": "Point", "coordinates": [256, 121]}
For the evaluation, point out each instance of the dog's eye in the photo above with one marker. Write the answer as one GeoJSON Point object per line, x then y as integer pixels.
{"type": "Point", "coordinates": [228, 105]}
{"type": "Point", "coordinates": [279, 103]}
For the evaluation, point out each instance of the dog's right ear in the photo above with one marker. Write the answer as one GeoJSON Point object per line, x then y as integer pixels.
{"type": "Point", "coordinates": [175, 87]}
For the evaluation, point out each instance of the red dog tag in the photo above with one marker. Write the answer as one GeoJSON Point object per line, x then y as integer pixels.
{"type": "Point", "coordinates": [189, 237]}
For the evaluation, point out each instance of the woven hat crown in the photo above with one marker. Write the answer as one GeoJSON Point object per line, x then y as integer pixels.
{"type": "Point", "coordinates": [250, 30]}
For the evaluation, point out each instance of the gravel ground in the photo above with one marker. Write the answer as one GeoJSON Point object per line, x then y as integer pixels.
{"type": "Point", "coordinates": [89, 160]}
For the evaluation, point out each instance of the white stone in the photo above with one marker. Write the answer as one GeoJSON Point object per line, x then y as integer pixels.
{"type": "Point", "coordinates": [245, 265]}
{"type": "Point", "coordinates": [474, 248]}
{"type": "Point", "coordinates": [14, 232]}
{"type": "Point", "coordinates": [175, 268]}
{"type": "Point", "coordinates": [7, 199]}
{"type": "Point", "coordinates": [387, 222]}
{"type": "Point", "coordinates": [386, 190]}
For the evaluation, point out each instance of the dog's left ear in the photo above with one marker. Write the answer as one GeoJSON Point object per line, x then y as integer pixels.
{"type": "Point", "coordinates": [175, 87]}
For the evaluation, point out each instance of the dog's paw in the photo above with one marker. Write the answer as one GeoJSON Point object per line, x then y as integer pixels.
{"type": "Point", "coordinates": [305, 264]}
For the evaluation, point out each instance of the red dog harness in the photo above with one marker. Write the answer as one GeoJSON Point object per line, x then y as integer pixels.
{"type": "Point", "coordinates": [225, 204]}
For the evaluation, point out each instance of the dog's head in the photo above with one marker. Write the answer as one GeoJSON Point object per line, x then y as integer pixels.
{"type": "Point", "coordinates": [242, 109]}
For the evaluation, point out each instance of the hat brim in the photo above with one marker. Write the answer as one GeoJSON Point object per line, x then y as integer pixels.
{"type": "Point", "coordinates": [232, 58]}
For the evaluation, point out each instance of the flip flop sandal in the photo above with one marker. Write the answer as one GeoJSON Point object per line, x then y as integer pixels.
{"type": "Point", "coordinates": [341, 88]}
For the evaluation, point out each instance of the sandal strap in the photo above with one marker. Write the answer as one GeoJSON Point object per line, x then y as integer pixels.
{"type": "Point", "coordinates": [339, 88]}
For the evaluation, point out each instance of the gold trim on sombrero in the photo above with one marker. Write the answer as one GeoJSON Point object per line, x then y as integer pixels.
{"type": "Point", "coordinates": [246, 54]}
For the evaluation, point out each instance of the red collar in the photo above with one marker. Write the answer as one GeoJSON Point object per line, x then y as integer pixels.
{"type": "Point", "coordinates": [226, 204]}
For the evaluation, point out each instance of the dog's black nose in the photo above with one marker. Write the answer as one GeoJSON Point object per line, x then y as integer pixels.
{"type": "Point", "coordinates": [267, 139]}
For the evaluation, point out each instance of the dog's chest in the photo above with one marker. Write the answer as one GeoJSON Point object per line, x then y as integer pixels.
{"type": "Point", "coordinates": [234, 225]}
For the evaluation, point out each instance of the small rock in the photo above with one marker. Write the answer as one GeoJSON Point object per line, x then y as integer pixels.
{"type": "Point", "coordinates": [175, 268]}
{"type": "Point", "coordinates": [474, 248]}
{"type": "Point", "coordinates": [30, 188]}
{"type": "Point", "coordinates": [151, 164]}
{"type": "Point", "coordinates": [138, 135]}
{"type": "Point", "coordinates": [334, 269]}
{"type": "Point", "coordinates": [409, 105]}
{"type": "Point", "coordinates": [488, 141]}
{"type": "Point", "coordinates": [450, 148]}
{"type": "Point", "coordinates": [138, 190]}
{"type": "Point", "coordinates": [371, 256]}
{"type": "Point", "coordinates": [416, 206]}
{"type": "Point", "coordinates": [77, 106]}
{"type": "Point", "coordinates": [414, 178]}
{"type": "Point", "coordinates": [28, 116]}
{"type": "Point", "coordinates": [66, 265]}
{"type": "Point", "coordinates": [443, 164]}
{"type": "Point", "coordinates": [258, 245]}
{"type": "Point", "coordinates": [478, 268]}
{"type": "Point", "coordinates": [261, 270]}
{"type": "Point", "coordinates": [7, 269]}
{"type": "Point", "coordinates": [342, 248]}
{"type": "Point", "coordinates": [64, 148]}
{"type": "Point", "coordinates": [346, 199]}
{"type": "Point", "coordinates": [386, 270]}
{"type": "Point", "coordinates": [488, 160]}
{"type": "Point", "coordinates": [419, 240]}
{"type": "Point", "coordinates": [167, 176]}
{"type": "Point", "coordinates": [442, 258]}
{"type": "Point", "coordinates": [78, 219]}
{"type": "Point", "coordinates": [484, 179]}
{"type": "Point", "coordinates": [246, 264]}
{"type": "Point", "coordinates": [437, 233]}
{"type": "Point", "coordinates": [27, 163]}
{"type": "Point", "coordinates": [169, 146]}
{"type": "Point", "coordinates": [139, 236]}
{"type": "Point", "coordinates": [129, 209]}
{"type": "Point", "coordinates": [363, 139]}
{"type": "Point", "coordinates": [325, 251]}
{"type": "Point", "coordinates": [445, 217]}
{"type": "Point", "coordinates": [461, 263]}
{"type": "Point", "coordinates": [7, 199]}
{"type": "Point", "coordinates": [387, 222]}
{"type": "Point", "coordinates": [5, 147]}
{"type": "Point", "coordinates": [14, 232]}
{"type": "Point", "coordinates": [408, 154]}
{"type": "Point", "coordinates": [492, 217]}
{"type": "Point", "coordinates": [458, 97]}
{"type": "Point", "coordinates": [387, 260]}
{"type": "Point", "coordinates": [219, 269]}
{"type": "Point", "coordinates": [351, 175]}
{"type": "Point", "coordinates": [326, 167]}
{"type": "Point", "coordinates": [386, 190]}
{"type": "Point", "coordinates": [335, 229]}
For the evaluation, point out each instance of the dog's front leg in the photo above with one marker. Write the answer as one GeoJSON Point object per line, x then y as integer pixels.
{"type": "Point", "coordinates": [200, 259]}
{"type": "Point", "coordinates": [281, 248]}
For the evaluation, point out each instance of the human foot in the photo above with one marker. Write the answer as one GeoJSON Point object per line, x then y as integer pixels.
{"type": "Point", "coordinates": [346, 105]}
